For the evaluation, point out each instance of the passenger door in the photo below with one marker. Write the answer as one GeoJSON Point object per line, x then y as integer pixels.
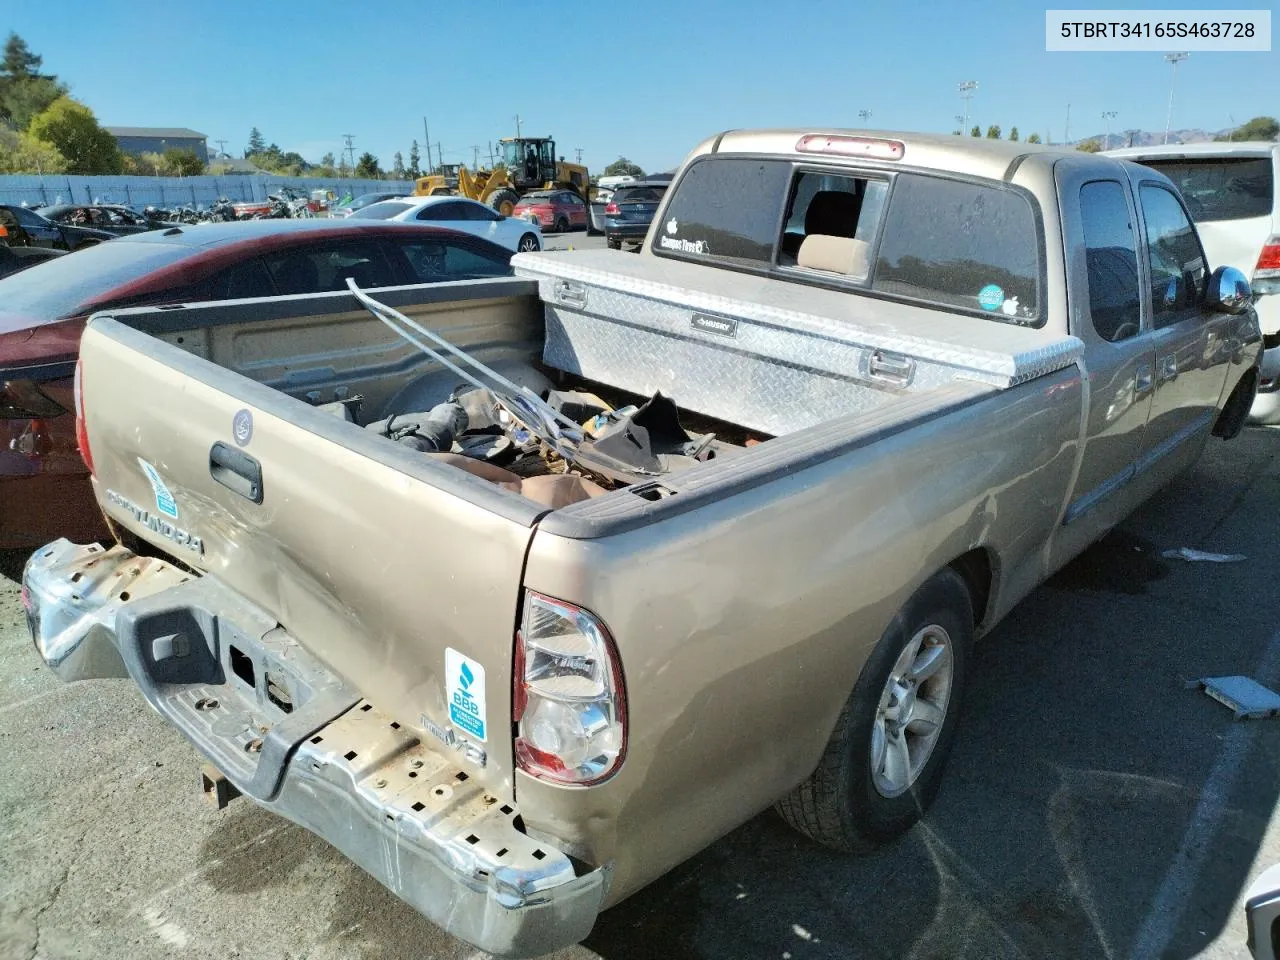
{"type": "Point", "coordinates": [1108, 312]}
{"type": "Point", "coordinates": [1190, 344]}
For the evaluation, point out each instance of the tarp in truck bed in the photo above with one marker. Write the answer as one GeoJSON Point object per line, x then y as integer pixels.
{"type": "Point", "coordinates": [764, 353]}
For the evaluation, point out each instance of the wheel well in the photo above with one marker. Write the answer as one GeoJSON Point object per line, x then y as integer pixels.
{"type": "Point", "coordinates": [977, 571]}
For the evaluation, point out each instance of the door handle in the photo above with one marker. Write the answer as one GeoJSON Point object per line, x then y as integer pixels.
{"type": "Point", "coordinates": [1168, 368]}
{"type": "Point", "coordinates": [236, 470]}
{"type": "Point", "coordinates": [1142, 381]}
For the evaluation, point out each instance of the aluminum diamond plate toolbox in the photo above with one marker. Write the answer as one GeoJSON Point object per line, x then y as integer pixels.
{"type": "Point", "coordinates": [766, 354]}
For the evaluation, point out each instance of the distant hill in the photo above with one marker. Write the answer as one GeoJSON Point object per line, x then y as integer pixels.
{"type": "Point", "coordinates": [1143, 138]}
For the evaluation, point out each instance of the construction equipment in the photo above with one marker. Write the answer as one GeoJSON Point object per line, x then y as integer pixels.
{"type": "Point", "coordinates": [528, 163]}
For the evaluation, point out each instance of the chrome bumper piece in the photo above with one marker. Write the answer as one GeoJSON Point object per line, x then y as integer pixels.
{"type": "Point", "coordinates": [289, 734]}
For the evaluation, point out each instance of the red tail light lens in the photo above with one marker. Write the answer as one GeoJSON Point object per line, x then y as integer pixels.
{"type": "Point", "coordinates": [1269, 259]}
{"type": "Point", "coordinates": [82, 435]}
{"type": "Point", "coordinates": [611, 207]}
{"type": "Point", "coordinates": [569, 702]}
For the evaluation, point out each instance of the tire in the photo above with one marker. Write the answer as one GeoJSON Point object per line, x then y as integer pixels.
{"type": "Point", "coordinates": [504, 201]}
{"type": "Point", "coordinates": [846, 805]}
{"type": "Point", "coordinates": [528, 244]}
{"type": "Point", "coordinates": [562, 225]}
{"type": "Point", "coordinates": [613, 242]}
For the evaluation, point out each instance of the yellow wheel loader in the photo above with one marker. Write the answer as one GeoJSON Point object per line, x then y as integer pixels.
{"type": "Point", "coordinates": [528, 163]}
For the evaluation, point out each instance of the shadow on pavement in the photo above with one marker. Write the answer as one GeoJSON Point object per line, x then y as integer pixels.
{"type": "Point", "coordinates": [12, 562]}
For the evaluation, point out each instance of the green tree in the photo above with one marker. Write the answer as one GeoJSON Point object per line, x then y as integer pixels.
{"type": "Point", "coordinates": [1092, 145]}
{"type": "Point", "coordinates": [1013, 134]}
{"type": "Point", "coordinates": [415, 158]}
{"type": "Point", "coordinates": [24, 91]}
{"type": "Point", "coordinates": [367, 167]}
{"type": "Point", "coordinates": [256, 143]}
{"type": "Point", "coordinates": [976, 131]}
{"type": "Point", "coordinates": [182, 163]}
{"type": "Point", "coordinates": [993, 132]}
{"type": "Point", "coordinates": [19, 61]}
{"type": "Point", "coordinates": [327, 160]}
{"type": "Point", "coordinates": [397, 166]}
{"type": "Point", "coordinates": [1034, 138]}
{"type": "Point", "coordinates": [1259, 128]}
{"type": "Point", "coordinates": [71, 127]}
{"type": "Point", "coordinates": [23, 153]}
{"type": "Point", "coordinates": [623, 167]}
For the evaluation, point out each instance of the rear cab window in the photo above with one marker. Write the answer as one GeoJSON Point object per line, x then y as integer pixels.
{"type": "Point", "coordinates": [962, 244]}
{"type": "Point", "coordinates": [1222, 188]}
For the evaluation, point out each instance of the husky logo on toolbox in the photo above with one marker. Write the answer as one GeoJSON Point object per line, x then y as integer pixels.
{"type": "Point", "coordinates": [465, 688]}
{"type": "Point", "coordinates": [165, 502]}
{"type": "Point", "coordinates": [720, 325]}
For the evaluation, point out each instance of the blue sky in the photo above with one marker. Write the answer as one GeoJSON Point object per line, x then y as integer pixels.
{"type": "Point", "coordinates": [647, 85]}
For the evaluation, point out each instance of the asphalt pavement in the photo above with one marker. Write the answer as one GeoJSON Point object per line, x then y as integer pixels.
{"type": "Point", "coordinates": [1094, 806]}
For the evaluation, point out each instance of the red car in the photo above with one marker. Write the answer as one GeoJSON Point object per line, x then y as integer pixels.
{"type": "Point", "coordinates": [553, 210]}
{"type": "Point", "coordinates": [44, 487]}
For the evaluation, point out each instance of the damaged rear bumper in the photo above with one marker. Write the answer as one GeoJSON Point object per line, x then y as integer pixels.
{"type": "Point", "coordinates": [288, 733]}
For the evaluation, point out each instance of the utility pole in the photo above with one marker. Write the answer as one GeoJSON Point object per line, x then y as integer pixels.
{"type": "Point", "coordinates": [222, 147]}
{"type": "Point", "coordinates": [490, 154]}
{"type": "Point", "coordinates": [517, 126]}
{"type": "Point", "coordinates": [966, 94]}
{"type": "Point", "coordinates": [960, 123]}
{"type": "Point", "coordinates": [475, 156]}
{"type": "Point", "coordinates": [864, 116]}
{"type": "Point", "coordinates": [426, 135]}
{"type": "Point", "coordinates": [1231, 134]}
{"type": "Point", "coordinates": [351, 150]}
{"type": "Point", "coordinates": [1066, 131]}
{"type": "Point", "coordinates": [1175, 59]}
{"type": "Point", "coordinates": [439, 156]}
{"type": "Point", "coordinates": [1108, 116]}
{"type": "Point", "coordinates": [579, 152]}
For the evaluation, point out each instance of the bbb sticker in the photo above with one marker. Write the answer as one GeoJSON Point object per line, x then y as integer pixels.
{"type": "Point", "coordinates": [991, 297]}
{"type": "Point", "coordinates": [165, 501]}
{"type": "Point", "coordinates": [465, 688]}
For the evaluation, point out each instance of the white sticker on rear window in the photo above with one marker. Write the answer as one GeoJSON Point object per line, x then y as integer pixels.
{"type": "Point", "coordinates": [465, 688]}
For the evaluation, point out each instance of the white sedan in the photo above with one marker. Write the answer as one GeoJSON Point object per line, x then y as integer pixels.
{"type": "Point", "coordinates": [457, 213]}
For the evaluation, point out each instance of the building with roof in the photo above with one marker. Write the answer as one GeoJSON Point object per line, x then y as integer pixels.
{"type": "Point", "coordinates": [139, 140]}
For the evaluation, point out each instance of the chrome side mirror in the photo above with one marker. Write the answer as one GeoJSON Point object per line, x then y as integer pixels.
{"type": "Point", "coordinates": [1229, 291]}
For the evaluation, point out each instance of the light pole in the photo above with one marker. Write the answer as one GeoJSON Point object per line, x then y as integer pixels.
{"type": "Point", "coordinates": [966, 93]}
{"type": "Point", "coordinates": [864, 116]}
{"type": "Point", "coordinates": [1108, 116]}
{"type": "Point", "coordinates": [1175, 59]}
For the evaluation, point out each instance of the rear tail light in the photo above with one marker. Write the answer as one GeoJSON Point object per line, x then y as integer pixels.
{"type": "Point", "coordinates": [568, 702]}
{"type": "Point", "coordinates": [873, 148]}
{"type": "Point", "coordinates": [611, 207]}
{"type": "Point", "coordinates": [82, 435]}
{"type": "Point", "coordinates": [4, 231]}
{"type": "Point", "coordinates": [1266, 275]}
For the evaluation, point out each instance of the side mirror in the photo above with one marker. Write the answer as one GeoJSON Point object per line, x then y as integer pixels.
{"type": "Point", "coordinates": [1229, 291]}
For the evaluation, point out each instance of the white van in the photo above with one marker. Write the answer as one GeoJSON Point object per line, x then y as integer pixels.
{"type": "Point", "coordinates": [1230, 193]}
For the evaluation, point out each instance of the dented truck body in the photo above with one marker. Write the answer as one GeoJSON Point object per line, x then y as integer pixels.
{"type": "Point", "coordinates": [347, 627]}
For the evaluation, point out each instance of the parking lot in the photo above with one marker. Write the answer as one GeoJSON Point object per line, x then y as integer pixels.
{"type": "Point", "coordinates": [1094, 806]}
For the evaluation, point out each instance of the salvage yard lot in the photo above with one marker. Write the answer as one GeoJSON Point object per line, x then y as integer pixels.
{"type": "Point", "coordinates": [1073, 820]}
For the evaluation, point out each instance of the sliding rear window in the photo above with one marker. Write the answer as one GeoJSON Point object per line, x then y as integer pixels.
{"type": "Point", "coordinates": [959, 244]}
{"type": "Point", "coordinates": [1222, 188]}
{"type": "Point", "coordinates": [726, 209]}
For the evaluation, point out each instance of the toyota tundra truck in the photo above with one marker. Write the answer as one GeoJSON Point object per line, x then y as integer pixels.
{"type": "Point", "coordinates": [521, 591]}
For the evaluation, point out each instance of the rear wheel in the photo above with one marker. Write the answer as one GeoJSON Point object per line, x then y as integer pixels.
{"type": "Point", "coordinates": [528, 243]}
{"type": "Point", "coordinates": [884, 762]}
{"type": "Point", "coordinates": [613, 242]}
{"type": "Point", "coordinates": [504, 201]}
{"type": "Point", "coordinates": [562, 225]}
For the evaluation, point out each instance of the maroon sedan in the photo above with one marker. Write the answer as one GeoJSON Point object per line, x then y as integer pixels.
{"type": "Point", "coordinates": [553, 210]}
{"type": "Point", "coordinates": [44, 488]}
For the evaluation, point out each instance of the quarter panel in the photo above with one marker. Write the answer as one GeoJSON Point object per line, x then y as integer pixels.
{"type": "Point", "coordinates": [742, 625]}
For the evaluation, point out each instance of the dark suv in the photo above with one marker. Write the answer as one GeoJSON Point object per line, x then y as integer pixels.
{"type": "Point", "coordinates": [630, 210]}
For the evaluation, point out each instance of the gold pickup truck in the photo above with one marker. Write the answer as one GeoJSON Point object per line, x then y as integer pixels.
{"type": "Point", "coordinates": [522, 590]}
